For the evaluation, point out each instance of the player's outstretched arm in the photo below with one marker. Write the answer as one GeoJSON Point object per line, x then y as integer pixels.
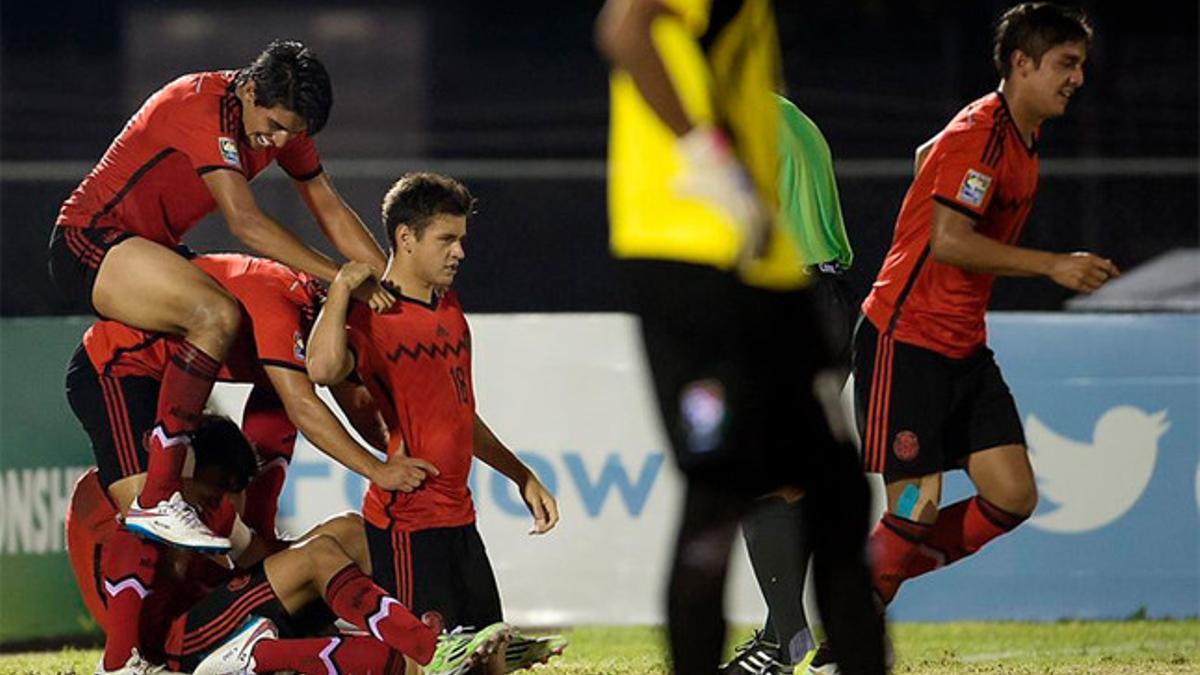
{"type": "Point", "coordinates": [954, 241]}
{"type": "Point", "coordinates": [261, 232]}
{"type": "Point", "coordinates": [541, 504]}
{"type": "Point", "coordinates": [329, 360]}
{"type": "Point", "coordinates": [341, 225]}
{"type": "Point", "coordinates": [266, 236]}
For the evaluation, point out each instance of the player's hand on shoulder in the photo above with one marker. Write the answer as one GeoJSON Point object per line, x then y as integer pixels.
{"type": "Point", "coordinates": [359, 279]}
{"type": "Point", "coordinates": [403, 473]}
{"type": "Point", "coordinates": [1083, 272]}
{"type": "Point", "coordinates": [352, 275]}
{"type": "Point", "coordinates": [542, 506]}
{"type": "Point", "coordinates": [712, 173]}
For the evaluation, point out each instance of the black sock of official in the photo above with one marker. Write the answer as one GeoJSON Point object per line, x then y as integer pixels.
{"type": "Point", "coordinates": [775, 539]}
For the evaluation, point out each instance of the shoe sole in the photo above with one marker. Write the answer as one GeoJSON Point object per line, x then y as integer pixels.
{"type": "Point", "coordinates": [146, 533]}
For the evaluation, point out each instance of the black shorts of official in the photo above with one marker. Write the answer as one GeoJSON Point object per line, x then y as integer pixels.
{"type": "Point", "coordinates": [920, 412]}
{"type": "Point", "coordinates": [116, 413]}
{"type": "Point", "coordinates": [445, 569]}
{"type": "Point", "coordinates": [220, 614]}
{"type": "Point", "coordinates": [733, 369]}
{"type": "Point", "coordinates": [837, 310]}
{"type": "Point", "coordinates": [75, 257]}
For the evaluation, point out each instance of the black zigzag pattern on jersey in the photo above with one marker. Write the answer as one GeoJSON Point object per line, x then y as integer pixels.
{"type": "Point", "coordinates": [434, 351]}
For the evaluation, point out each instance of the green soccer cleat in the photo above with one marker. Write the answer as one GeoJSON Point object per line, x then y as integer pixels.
{"type": "Point", "coordinates": [459, 651]}
{"type": "Point", "coordinates": [526, 652]}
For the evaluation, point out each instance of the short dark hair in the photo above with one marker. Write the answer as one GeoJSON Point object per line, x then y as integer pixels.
{"type": "Point", "coordinates": [219, 443]}
{"type": "Point", "coordinates": [289, 74]}
{"type": "Point", "coordinates": [417, 197]}
{"type": "Point", "coordinates": [1035, 28]}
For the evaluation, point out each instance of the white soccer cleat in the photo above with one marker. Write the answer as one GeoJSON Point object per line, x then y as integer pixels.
{"type": "Point", "coordinates": [236, 655]}
{"type": "Point", "coordinates": [136, 665]}
{"type": "Point", "coordinates": [174, 522]}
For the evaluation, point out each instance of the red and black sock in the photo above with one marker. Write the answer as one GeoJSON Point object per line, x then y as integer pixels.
{"type": "Point", "coordinates": [354, 597]}
{"type": "Point", "coordinates": [962, 529]}
{"type": "Point", "coordinates": [128, 565]}
{"type": "Point", "coordinates": [347, 654]}
{"type": "Point", "coordinates": [893, 546]}
{"type": "Point", "coordinates": [266, 424]}
{"type": "Point", "coordinates": [186, 384]}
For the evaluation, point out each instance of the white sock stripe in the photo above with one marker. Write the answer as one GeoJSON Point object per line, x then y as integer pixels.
{"type": "Point", "coordinates": [330, 669]}
{"type": "Point", "coordinates": [166, 441]}
{"type": "Point", "coordinates": [278, 461]}
{"type": "Point", "coordinates": [373, 621]}
{"type": "Point", "coordinates": [136, 585]}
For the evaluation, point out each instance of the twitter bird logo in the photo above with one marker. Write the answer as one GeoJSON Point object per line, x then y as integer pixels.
{"type": "Point", "coordinates": [1094, 483]}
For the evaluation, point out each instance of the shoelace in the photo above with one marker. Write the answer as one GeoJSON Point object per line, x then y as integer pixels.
{"type": "Point", "coordinates": [184, 510]}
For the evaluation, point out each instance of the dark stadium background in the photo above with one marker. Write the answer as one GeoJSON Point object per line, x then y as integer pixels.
{"type": "Point", "coordinates": [511, 97]}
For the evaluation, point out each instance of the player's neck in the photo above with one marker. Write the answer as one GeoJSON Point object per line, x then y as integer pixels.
{"type": "Point", "coordinates": [399, 275]}
{"type": "Point", "coordinates": [1023, 115]}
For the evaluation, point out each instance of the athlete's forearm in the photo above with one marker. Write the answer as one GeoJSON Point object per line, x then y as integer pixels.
{"type": "Point", "coordinates": [954, 241]}
{"type": "Point", "coordinates": [492, 452]}
{"type": "Point", "coordinates": [261, 233]}
{"type": "Point", "coordinates": [978, 253]}
{"type": "Point", "coordinates": [340, 224]}
{"type": "Point", "coordinates": [319, 425]}
{"type": "Point", "coordinates": [327, 342]}
{"type": "Point", "coordinates": [623, 35]}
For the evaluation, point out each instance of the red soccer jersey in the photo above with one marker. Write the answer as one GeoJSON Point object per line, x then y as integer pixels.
{"type": "Point", "coordinates": [278, 306]}
{"type": "Point", "coordinates": [981, 167]}
{"type": "Point", "coordinates": [149, 180]}
{"type": "Point", "coordinates": [416, 362]}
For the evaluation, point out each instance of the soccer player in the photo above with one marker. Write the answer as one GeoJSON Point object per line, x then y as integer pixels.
{"type": "Point", "coordinates": [734, 346]}
{"type": "Point", "coordinates": [774, 528]}
{"type": "Point", "coordinates": [192, 609]}
{"type": "Point", "coordinates": [114, 381]}
{"type": "Point", "coordinates": [929, 394]}
{"type": "Point", "coordinates": [193, 147]}
{"type": "Point", "coordinates": [416, 357]}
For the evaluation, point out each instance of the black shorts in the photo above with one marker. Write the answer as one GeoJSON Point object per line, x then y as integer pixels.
{"type": "Point", "coordinates": [733, 370]}
{"type": "Point", "coordinates": [221, 613]}
{"type": "Point", "coordinates": [837, 309]}
{"type": "Point", "coordinates": [921, 413]}
{"type": "Point", "coordinates": [445, 569]}
{"type": "Point", "coordinates": [116, 412]}
{"type": "Point", "coordinates": [75, 257]}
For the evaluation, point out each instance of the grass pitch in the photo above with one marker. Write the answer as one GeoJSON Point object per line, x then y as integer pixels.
{"type": "Point", "coordinates": [1063, 648]}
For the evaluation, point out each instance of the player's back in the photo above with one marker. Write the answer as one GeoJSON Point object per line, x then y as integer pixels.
{"type": "Point", "coordinates": [980, 167]}
{"type": "Point", "coordinates": [278, 304]}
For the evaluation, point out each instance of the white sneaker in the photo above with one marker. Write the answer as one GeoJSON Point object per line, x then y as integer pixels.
{"type": "Point", "coordinates": [236, 656]}
{"type": "Point", "coordinates": [136, 665]}
{"type": "Point", "coordinates": [174, 522]}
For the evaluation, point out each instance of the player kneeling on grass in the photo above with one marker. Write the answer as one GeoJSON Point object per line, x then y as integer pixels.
{"type": "Point", "coordinates": [416, 361]}
{"type": "Point", "coordinates": [162, 604]}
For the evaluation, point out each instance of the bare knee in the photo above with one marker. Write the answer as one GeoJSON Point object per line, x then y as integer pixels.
{"type": "Point", "coordinates": [213, 320]}
{"type": "Point", "coordinates": [324, 553]}
{"type": "Point", "coordinates": [1017, 496]}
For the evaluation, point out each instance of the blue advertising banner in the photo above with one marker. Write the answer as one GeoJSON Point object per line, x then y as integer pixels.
{"type": "Point", "coordinates": [1110, 405]}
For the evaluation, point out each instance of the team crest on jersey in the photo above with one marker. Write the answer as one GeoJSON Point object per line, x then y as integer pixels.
{"type": "Point", "coordinates": [906, 446]}
{"type": "Point", "coordinates": [298, 346]}
{"type": "Point", "coordinates": [974, 188]}
{"type": "Point", "coordinates": [229, 151]}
